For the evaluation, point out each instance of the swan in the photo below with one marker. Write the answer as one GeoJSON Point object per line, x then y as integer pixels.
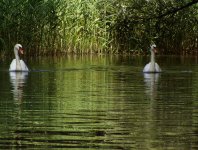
{"type": "Point", "coordinates": [152, 67]}
{"type": "Point", "coordinates": [17, 64]}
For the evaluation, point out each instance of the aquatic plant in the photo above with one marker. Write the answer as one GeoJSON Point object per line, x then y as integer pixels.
{"type": "Point", "coordinates": [143, 21]}
{"type": "Point", "coordinates": [98, 26]}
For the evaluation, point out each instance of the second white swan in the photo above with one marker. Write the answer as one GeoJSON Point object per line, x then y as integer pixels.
{"type": "Point", "coordinates": [17, 64]}
{"type": "Point", "coordinates": [152, 67]}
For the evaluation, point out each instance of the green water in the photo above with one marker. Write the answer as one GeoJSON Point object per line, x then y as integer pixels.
{"type": "Point", "coordinates": [100, 102]}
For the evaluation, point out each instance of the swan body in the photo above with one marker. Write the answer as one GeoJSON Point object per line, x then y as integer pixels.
{"type": "Point", "coordinates": [152, 66]}
{"type": "Point", "coordinates": [17, 64]}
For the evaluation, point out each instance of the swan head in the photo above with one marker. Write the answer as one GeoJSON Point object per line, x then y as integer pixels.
{"type": "Point", "coordinates": [18, 48]}
{"type": "Point", "coordinates": [154, 48]}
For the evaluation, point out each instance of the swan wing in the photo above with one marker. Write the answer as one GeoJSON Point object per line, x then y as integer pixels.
{"type": "Point", "coordinates": [147, 68]}
{"type": "Point", "coordinates": [23, 66]}
{"type": "Point", "coordinates": [13, 65]}
{"type": "Point", "coordinates": [157, 68]}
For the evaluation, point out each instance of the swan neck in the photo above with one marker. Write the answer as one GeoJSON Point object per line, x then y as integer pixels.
{"type": "Point", "coordinates": [152, 56]}
{"type": "Point", "coordinates": [152, 66]}
{"type": "Point", "coordinates": [16, 54]}
{"type": "Point", "coordinates": [18, 65]}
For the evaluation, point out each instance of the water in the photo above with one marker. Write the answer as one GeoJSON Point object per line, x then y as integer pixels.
{"type": "Point", "coordinates": [98, 102]}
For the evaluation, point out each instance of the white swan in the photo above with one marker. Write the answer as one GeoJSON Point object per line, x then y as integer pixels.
{"type": "Point", "coordinates": [17, 64]}
{"type": "Point", "coordinates": [152, 67]}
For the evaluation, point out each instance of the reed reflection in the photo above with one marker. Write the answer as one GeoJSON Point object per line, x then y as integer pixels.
{"type": "Point", "coordinates": [18, 80]}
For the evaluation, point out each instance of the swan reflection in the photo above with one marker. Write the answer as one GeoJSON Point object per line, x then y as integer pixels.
{"type": "Point", "coordinates": [151, 82]}
{"type": "Point", "coordinates": [18, 80]}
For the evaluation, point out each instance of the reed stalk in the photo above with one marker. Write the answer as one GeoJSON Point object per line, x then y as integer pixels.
{"type": "Point", "coordinates": [47, 27]}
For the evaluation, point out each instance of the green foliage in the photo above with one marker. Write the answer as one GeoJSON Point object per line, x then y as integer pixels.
{"type": "Point", "coordinates": [139, 24]}
{"type": "Point", "coordinates": [30, 22]}
{"type": "Point", "coordinates": [97, 26]}
{"type": "Point", "coordinates": [84, 26]}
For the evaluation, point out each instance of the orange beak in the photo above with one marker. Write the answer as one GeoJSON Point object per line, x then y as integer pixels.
{"type": "Point", "coordinates": [21, 50]}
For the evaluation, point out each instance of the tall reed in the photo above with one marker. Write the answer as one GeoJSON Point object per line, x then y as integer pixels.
{"type": "Point", "coordinates": [33, 23]}
{"type": "Point", "coordinates": [138, 25]}
{"type": "Point", "coordinates": [97, 26]}
{"type": "Point", "coordinates": [84, 26]}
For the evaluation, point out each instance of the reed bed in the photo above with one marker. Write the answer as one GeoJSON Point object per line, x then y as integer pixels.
{"type": "Point", "coordinates": [48, 27]}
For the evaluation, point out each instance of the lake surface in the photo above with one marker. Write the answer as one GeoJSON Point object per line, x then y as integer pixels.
{"type": "Point", "coordinates": [100, 102]}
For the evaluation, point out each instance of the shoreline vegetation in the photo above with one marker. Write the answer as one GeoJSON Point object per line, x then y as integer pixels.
{"type": "Point", "coordinates": [50, 27]}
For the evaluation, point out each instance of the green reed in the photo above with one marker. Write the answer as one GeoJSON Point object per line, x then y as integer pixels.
{"type": "Point", "coordinates": [84, 26]}
{"type": "Point", "coordinates": [47, 27]}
